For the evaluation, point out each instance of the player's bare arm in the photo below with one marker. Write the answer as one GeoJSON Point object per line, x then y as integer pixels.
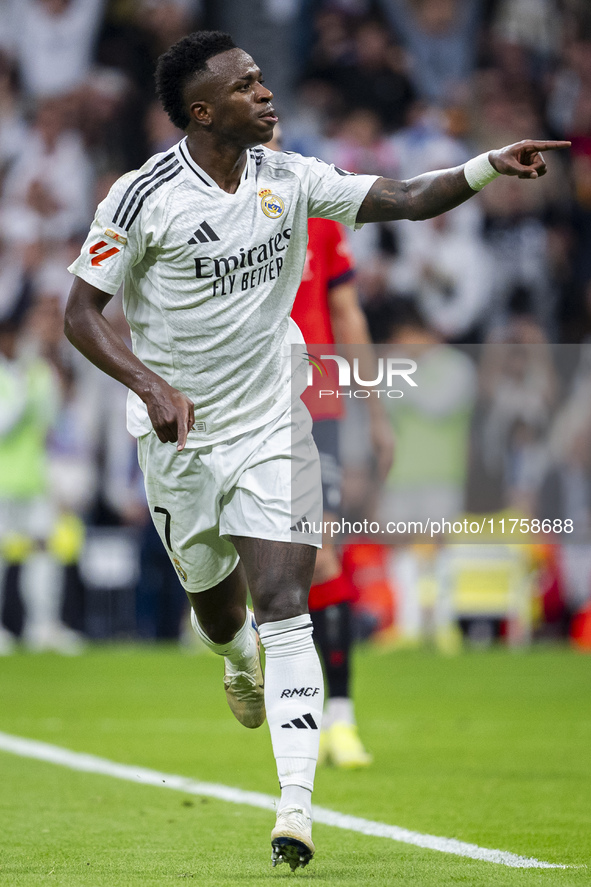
{"type": "Point", "coordinates": [171, 412]}
{"type": "Point", "coordinates": [437, 192]}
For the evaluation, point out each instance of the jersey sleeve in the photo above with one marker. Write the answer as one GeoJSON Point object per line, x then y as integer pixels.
{"type": "Point", "coordinates": [334, 193]}
{"type": "Point", "coordinates": [110, 250]}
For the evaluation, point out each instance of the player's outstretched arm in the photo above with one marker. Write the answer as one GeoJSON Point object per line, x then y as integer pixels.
{"type": "Point", "coordinates": [171, 412]}
{"type": "Point", "coordinates": [434, 193]}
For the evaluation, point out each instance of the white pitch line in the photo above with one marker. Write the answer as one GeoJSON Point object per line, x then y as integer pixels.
{"type": "Point", "coordinates": [53, 754]}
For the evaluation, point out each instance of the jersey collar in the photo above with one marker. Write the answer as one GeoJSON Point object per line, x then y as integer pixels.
{"type": "Point", "coordinates": [195, 170]}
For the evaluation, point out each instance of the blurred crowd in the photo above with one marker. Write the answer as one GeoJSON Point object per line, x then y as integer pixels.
{"type": "Point", "coordinates": [392, 87]}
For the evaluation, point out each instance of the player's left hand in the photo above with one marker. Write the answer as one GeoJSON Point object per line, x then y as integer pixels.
{"type": "Point", "coordinates": [524, 159]}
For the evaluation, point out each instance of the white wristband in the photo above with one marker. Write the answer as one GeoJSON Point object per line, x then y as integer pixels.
{"type": "Point", "coordinates": [479, 171]}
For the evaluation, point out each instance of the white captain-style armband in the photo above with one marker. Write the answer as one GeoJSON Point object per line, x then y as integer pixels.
{"type": "Point", "coordinates": [479, 171]}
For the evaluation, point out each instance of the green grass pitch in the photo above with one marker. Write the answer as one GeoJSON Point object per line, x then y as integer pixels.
{"type": "Point", "coordinates": [490, 748]}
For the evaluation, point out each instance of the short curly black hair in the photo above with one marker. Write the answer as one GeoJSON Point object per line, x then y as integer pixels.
{"type": "Point", "coordinates": [178, 64]}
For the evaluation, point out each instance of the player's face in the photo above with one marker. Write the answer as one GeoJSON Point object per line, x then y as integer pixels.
{"type": "Point", "coordinates": [237, 105]}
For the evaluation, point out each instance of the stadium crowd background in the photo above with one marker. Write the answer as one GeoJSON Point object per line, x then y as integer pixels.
{"type": "Point", "coordinates": [393, 87]}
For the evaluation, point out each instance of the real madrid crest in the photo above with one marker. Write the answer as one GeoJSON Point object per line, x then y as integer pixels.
{"type": "Point", "coordinates": [271, 204]}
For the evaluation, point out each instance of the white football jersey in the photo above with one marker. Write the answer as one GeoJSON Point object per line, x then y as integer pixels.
{"type": "Point", "coordinates": [209, 278]}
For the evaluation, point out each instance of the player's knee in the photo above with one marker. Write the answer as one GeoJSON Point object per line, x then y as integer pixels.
{"type": "Point", "coordinates": [273, 603]}
{"type": "Point", "coordinates": [222, 628]}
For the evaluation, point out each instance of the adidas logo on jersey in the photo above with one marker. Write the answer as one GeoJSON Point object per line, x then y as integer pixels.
{"type": "Point", "coordinates": [203, 234]}
{"type": "Point", "coordinates": [302, 526]}
{"type": "Point", "coordinates": [299, 723]}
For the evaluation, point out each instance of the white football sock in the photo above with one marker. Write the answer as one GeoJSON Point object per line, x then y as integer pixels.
{"type": "Point", "coordinates": [240, 652]}
{"type": "Point", "coordinates": [296, 796]}
{"type": "Point", "coordinates": [339, 709]}
{"type": "Point", "coordinates": [294, 693]}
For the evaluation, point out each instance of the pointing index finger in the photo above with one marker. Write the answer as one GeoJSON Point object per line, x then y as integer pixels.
{"type": "Point", "coordinates": [549, 146]}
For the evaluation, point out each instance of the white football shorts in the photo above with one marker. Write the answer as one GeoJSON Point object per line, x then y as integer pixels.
{"type": "Point", "coordinates": [264, 484]}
